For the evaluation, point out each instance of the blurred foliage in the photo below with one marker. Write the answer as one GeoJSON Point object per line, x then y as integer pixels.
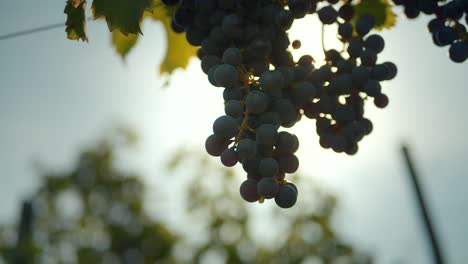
{"type": "Point", "coordinates": [95, 213]}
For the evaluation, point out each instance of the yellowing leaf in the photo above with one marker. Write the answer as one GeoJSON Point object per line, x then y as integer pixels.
{"type": "Point", "coordinates": [380, 9]}
{"type": "Point", "coordinates": [76, 20]}
{"type": "Point", "coordinates": [125, 15]}
{"type": "Point", "coordinates": [178, 50]}
{"type": "Point", "coordinates": [123, 44]}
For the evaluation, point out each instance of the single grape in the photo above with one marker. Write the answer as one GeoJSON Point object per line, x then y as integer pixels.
{"type": "Point", "coordinates": [232, 56]}
{"type": "Point", "coordinates": [271, 118]}
{"type": "Point", "coordinates": [285, 109]}
{"type": "Point", "coordinates": [346, 12]}
{"type": "Point", "coordinates": [246, 148]}
{"type": "Point", "coordinates": [299, 8]}
{"type": "Point", "coordinates": [296, 44]}
{"type": "Point", "coordinates": [360, 75]}
{"type": "Point", "coordinates": [364, 24]}
{"type": "Point", "coordinates": [287, 143]}
{"type": "Point", "coordinates": [288, 163]}
{"type": "Point", "coordinates": [268, 167]}
{"type": "Point", "coordinates": [266, 134]}
{"type": "Point", "coordinates": [234, 93]}
{"type": "Point", "coordinates": [293, 186]}
{"type": "Point", "coordinates": [250, 165]}
{"type": "Point", "coordinates": [327, 15]}
{"type": "Point", "coordinates": [374, 42]}
{"type": "Point", "coordinates": [176, 27]}
{"type": "Point", "coordinates": [229, 157]}
{"type": "Point", "coordinates": [368, 57]}
{"type": "Point", "coordinates": [372, 88]}
{"type": "Point", "coordinates": [267, 187]}
{"type": "Point", "coordinates": [225, 127]}
{"type": "Point", "coordinates": [380, 72]}
{"type": "Point", "coordinates": [211, 75]}
{"type": "Point", "coordinates": [209, 61]}
{"type": "Point", "coordinates": [284, 19]}
{"type": "Point", "coordinates": [215, 145]}
{"type": "Point", "coordinates": [392, 70]}
{"type": "Point", "coordinates": [256, 102]}
{"type": "Point", "coordinates": [233, 108]}
{"type": "Point", "coordinates": [286, 197]}
{"type": "Point", "coordinates": [272, 82]}
{"type": "Point", "coordinates": [458, 52]}
{"type": "Point", "coordinates": [194, 36]}
{"type": "Point", "coordinates": [345, 30]}
{"type": "Point", "coordinates": [248, 190]}
{"type": "Point", "coordinates": [226, 75]}
{"type": "Point", "coordinates": [381, 101]}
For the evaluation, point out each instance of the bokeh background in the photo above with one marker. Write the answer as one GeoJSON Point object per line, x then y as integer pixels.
{"type": "Point", "coordinates": [57, 96]}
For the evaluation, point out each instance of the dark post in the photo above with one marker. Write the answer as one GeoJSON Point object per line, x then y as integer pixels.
{"type": "Point", "coordinates": [436, 250]}
{"type": "Point", "coordinates": [25, 231]}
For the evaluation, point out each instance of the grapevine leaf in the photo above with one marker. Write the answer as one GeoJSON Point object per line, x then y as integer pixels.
{"type": "Point", "coordinates": [380, 9]}
{"type": "Point", "coordinates": [125, 15]}
{"type": "Point", "coordinates": [123, 44]}
{"type": "Point", "coordinates": [76, 20]}
{"type": "Point", "coordinates": [178, 50]}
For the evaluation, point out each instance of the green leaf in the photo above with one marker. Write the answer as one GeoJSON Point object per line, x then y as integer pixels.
{"type": "Point", "coordinates": [76, 20]}
{"type": "Point", "coordinates": [125, 15]}
{"type": "Point", "coordinates": [123, 44]}
{"type": "Point", "coordinates": [178, 50]}
{"type": "Point", "coordinates": [381, 9]}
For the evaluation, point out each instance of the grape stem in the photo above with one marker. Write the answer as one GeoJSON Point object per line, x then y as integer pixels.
{"type": "Point", "coordinates": [245, 121]}
{"type": "Point", "coordinates": [323, 40]}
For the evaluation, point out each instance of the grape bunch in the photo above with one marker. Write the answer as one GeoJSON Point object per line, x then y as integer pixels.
{"type": "Point", "coordinates": [447, 27]}
{"type": "Point", "coordinates": [244, 49]}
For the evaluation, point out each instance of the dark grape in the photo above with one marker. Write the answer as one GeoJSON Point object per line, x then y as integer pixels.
{"type": "Point", "coordinates": [296, 44]}
{"type": "Point", "coordinates": [458, 51]}
{"type": "Point", "coordinates": [256, 102]}
{"type": "Point", "coordinates": [215, 145]}
{"type": "Point", "coordinates": [229, 157]}
{"type": "Point", "coordinates": [381, 101]}
{"type": "Point", "coordinates": [246, 148]}
{"type": "Point", "coordinates": [268, 167]}
{"type": "Point", "coordinates": [225, 127]}
{"type": "Point", "coordinates": [232, 56]}
{"type": "Point", "coordinates": [286, 197]}
{"type": "Point", "coordinates": [226, 75]}
{"type": "Point", "coordinates": [248, 190]}
{"type": "Point", "coordinates": [327, 15]}
{"type": "Point", "coordinates": [267, 187]}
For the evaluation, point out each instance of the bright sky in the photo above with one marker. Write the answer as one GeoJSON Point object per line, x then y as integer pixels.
{"type": "Point", "coordinates": [57, 95]}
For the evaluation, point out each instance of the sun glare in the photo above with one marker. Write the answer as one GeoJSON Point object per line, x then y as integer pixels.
{"type": "Point", "coordinates": [309, 31]}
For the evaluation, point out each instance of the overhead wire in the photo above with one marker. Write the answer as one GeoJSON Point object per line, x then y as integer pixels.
{"type": "Point", "coordinates": [35, 30]}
